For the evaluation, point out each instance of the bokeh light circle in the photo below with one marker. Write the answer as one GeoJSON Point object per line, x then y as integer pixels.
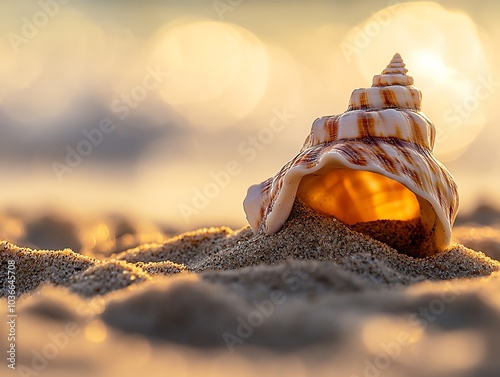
{"type": "Point", "coordinates": [443, 52]}
{"type": "Point", "coordinates": [217, 72]}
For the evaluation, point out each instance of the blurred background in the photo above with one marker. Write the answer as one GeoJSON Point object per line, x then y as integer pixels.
{"type": "Point", "coordinates": [124, 121]}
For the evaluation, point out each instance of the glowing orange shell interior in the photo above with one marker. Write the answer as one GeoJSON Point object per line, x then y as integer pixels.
{"type": "Point", "coordinates": [354, 196]}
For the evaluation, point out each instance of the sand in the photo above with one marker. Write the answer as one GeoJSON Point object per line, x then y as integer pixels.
{"type": "Point", "coordinates": [316, 299]}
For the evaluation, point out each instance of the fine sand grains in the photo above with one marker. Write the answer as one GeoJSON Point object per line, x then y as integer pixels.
{"type": "Point", "coordinates": [309, 235]}
{"type": "Point", "coordinates": [317, 292]}
{"type": "Point", "coordinates": [33, 267]}
{"type": "Point", "coordinates": [408, 237]}
{"type": "Point", "coordinates": [306, 237]}
{"type": "Point", "coordinates": [188, 248]}
{"type": "Point", "coordinates": [83, 275]}
{"type": "Point", "coordinates": [317, 282]}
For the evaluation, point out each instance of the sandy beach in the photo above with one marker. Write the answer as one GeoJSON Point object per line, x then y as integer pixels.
{"type": "Point", "coordinates": [316, 299]}
{"type": "Point", "coordinates": [249, 188]}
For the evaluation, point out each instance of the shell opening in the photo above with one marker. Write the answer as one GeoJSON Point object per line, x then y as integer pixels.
{"type": "Point", "coordinates": [354, 196]}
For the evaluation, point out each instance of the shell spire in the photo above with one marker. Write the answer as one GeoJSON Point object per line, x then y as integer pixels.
{"type": "Point", "coordinates": [391, 89]}
{"type": "Point", "coordinates": [372, 162]}
{"type": "Point", "coordinates": [396, 66]}
{"type": "Point", "coordinates": [393, 74]}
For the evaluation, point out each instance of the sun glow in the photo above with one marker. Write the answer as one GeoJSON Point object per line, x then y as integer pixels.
{"type": "Point", "coordinates": [443, 52]}
{"type": "Point", "coordinates": [427, 63]}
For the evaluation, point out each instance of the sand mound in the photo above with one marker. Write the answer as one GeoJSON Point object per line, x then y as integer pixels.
{"type": "Point", "coordinates": [107, 277]}
{"type": "Point", "coordinates": [187, 248]}
{"type": "Point", "coordinates": [306, 236]}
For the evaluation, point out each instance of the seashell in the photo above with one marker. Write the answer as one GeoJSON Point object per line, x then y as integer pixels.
{"type": "Point", "coordinates": [373, 162]}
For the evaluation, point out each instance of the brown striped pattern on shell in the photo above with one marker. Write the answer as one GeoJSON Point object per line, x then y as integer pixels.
{"type": "Point", "coordinates": [394, 96]}
{"type": "Point", "coordinates": [408, 125]}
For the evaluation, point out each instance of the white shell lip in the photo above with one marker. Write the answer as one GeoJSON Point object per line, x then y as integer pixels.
{"type": "Point", "coordinates": [251, 209]}
{"type": "Point", "coordinates": [373, 121]}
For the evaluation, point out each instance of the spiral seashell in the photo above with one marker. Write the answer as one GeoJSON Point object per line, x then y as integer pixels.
{"type": "Point", "coordinates": [372, 162]}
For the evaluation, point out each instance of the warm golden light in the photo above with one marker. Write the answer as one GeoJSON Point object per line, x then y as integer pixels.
{"type": "Point", "coordinates": [354, 196]}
